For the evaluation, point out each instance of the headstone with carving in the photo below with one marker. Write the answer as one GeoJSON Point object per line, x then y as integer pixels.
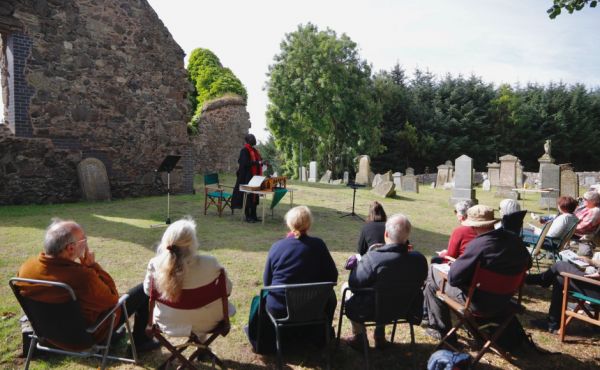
{"type": "Point", "coordinates": [326, 177]}
{"type": "Point", "coordinates": [312, 172]}
{"type": "Point", "coordinates": [494, 173]}
{"type": "Point", "coordinates": [346, 177]}
{"type": "Point", "coordinates": [363, 176]}
{"type": "Point", "coordinates": [444, 174]}
{"type": "Point", "coordinates": [93, 179]}
{"type": "Point", "coordinates": [385, 189]}
{"type": "Point", "coordinates": [508, 177]}
{"type": "Point", "coordinates": [569, 182]}
{"type": "Point", "coordinates": [463, 180]}
{"type": "Point", "coordinates": [550, 179]}
{"type": "Point", "coordinates": [397, 176]}
{"type": "Point", "coordinates": [409, 181]}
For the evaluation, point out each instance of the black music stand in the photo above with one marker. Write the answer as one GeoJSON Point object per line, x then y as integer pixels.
{"type": "Point", "coordinates": [167, 165]}
{"type": "Point", "coordinates": [354, 186]}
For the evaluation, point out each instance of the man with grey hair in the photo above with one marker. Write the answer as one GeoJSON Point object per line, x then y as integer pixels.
{"type": "Point", "coordinates": [394, 262]}
{"type": "Point", "coordinates": [68, 259]}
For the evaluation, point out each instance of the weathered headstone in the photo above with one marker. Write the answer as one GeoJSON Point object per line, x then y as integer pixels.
{"type": "Point", "coordinates": [444, 174]}
{"type": "Point", "coordinates": [409, 181]}
{"type": "Point", "coordinates": [569, 182]}
{"type": "Point", "coordinates": [363, 176]}
{"type": "Point", "coordinates": [387, 176]}
{"type": "Point", "coordinates": [508, 177]}
{"type": "Point", "coordinates": [93, 179]}
{"type": "Point", "coordinates": [385, 189]}
{"type": "Point", "coordinates": [377, 179]}
{"type": "Point", "coordinates": [397, 179]}
{"type": "Point", "coordinates": [326, 177]}
{"type": "Point", "coordinates": [550, 179]}
{"type": "Point", "coordinates": [346, 177]}
{"type": "Point", "coordinates": [519, 174]}
{"type": "Point", "coordinates": [302, 174]}
{"type": "Point", "coordinates": [312, 171]}
{"type": "Point", "coordinates": [487, 186]}
{"type": "Point", "coordinates": [589, 181]}
{"type": "Point", "coordinates": [494, 173]}
{"type": "Point", "coordinates": [463, 180]}
{"type": "Point", "coordinates": [336, 182]}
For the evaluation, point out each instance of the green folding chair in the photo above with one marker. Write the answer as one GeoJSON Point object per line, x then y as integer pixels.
{"type": "Point", "coordinates": [215, 194]}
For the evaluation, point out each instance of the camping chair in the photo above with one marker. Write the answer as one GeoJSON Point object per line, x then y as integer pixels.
{"type": "Point", "coordinates": [393, 304]}
{"type": "Point", "coordinates": [583, 302]}
{"type": "Point", "coordinates": [62, 324]}
{"type": "Point", "coordinates": [215, 194]}
{"type": "Point", "coordinates": [306, 305]}
{"type": "Point", "coordinates": [536, 250]}
{"type": "Point", "coordinates": [192, 299]}
{"type": "Point", "coordinates": [278, 194]}
{"type": "Point", "coordinates": [562, 244]}
{"type": "Point", "coordinates": [487, 281]}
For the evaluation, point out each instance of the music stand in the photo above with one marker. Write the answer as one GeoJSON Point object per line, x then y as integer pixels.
{"type": "Point", "coordinates": [167, 165]}
{"type": "Point", "coordinates": [354, 186]}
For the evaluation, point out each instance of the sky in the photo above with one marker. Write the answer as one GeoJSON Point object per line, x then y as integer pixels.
{"type": "Point", "coordinates": [503, 41]}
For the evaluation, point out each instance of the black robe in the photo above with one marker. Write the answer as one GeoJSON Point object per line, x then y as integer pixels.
{"type": "Point", "coordinates": [244, 174]}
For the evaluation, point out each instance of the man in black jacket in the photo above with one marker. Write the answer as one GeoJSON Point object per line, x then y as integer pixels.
{"type": "Point", "coordinates": [500, 251]}
{"type": "Point", "coordinates": [389, 264]}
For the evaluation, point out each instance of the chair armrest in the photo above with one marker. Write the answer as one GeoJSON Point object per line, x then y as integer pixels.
{"type": "Point", "coordinates": [120, 302]}
{"type": "Point", "coordinates": [227, 186]}
{"type": "Point", "coordinates": [581, 278]}
{"type": "Point", "coordinates": [283, 286]}
{"type": "Point", "coordinates": [215, 188]}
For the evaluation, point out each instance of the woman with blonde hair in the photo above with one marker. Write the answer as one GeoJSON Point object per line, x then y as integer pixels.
{"type": "Point", "coordinates": [178, 266]}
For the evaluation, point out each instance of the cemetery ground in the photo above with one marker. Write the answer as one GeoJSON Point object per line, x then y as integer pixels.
{"type": "Point", "coordinates": [119, 232]}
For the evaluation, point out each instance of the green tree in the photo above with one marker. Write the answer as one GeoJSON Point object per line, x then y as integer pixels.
{"type": "Point", "coordinates": [321, 97]}
{"type": "Point", "coordinates": [210, 80]}
{"type": "Point", "coordinates": [570, 6]}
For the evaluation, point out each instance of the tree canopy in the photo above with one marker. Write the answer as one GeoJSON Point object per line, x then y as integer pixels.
{"type": "Point", "coordinates": [210, 80]}
{"type": "Point", "coordinates": [570, 6]}
{"type": "Point", "coordinates": [321, 98]}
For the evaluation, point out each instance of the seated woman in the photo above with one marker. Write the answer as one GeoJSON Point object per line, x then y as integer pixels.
{"type": "Point", "coordinates": [178, 266]}
{"type": "Point", "coordinates": [460, 236]}
{"type": "Point", "coordinates": [552, 277]}
{"type": "Point", "coordinates": [588, 214]}
{"type": "Point", "coordinates": [561, 224]}
{"type": "Point", "coordinates": [296, 259]}
{"type": "Point", "coordinates": [372, 232]}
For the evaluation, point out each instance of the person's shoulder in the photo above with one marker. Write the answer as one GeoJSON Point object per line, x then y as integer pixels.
{"type": "Point", "coordinates": [205, 260]}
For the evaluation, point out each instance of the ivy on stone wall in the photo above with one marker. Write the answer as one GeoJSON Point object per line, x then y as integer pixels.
{"type": "Point", "coordinates": [210, 80]}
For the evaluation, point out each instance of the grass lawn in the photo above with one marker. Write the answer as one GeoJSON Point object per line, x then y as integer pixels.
{"type": "Point", "coordinates": [120, 234]}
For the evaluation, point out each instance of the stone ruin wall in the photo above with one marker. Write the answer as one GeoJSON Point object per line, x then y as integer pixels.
{"type": "Point", "coordinates": [89, 78]}
{"type": "Point", "coordinates": [221, 129]}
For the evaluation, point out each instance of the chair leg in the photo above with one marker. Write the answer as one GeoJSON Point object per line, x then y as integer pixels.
{"type": "Point", "coordinates": [393, 331]}
{"type": "Point", "coordinates": [339, 331]}
{"type": "Point", "coordinates": [327, 349]}
{"type": "Point", "coordinates": [366, 349]}
{"type": "Point", "coordinates": [278, 345]}
{"type": "Point", "coordinates": [32, 346]}
{"type": "Point", "coordinates": [107, 346]}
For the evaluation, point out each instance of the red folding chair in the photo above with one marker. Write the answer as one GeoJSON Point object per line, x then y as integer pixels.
{"type": "Point", "coordinates": [193, 299]}
{"type": "Point", "coordinates": [490, 282]}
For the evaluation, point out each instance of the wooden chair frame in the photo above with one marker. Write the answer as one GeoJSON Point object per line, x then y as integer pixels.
{"type": "Point", "coordinates": [567, 315]}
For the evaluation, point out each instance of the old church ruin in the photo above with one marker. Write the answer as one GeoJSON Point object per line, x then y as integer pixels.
{"type": "Point", "coordinates": [101, 79]}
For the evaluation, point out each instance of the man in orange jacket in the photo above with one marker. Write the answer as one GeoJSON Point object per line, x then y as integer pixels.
{"type": "Point", "coordinates": [67, 259]}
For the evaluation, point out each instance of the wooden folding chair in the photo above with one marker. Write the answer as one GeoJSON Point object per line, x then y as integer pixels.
{"type": "Point", "coordinates": [487, 281]}
{"type": "Point", "coordinates": [193, 299]}
{"type": "Point", "coordinates": [588, 305]}
{"type": "Point", "coordinates": [536, 254]}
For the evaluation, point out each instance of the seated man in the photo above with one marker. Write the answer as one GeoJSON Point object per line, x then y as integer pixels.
{"type": "Point", "coordinates": [552, 277]}
{"type": "Point", "coordinates": [67, 259]}
{"type": "Point", "coordinates": [393, 262]}
{"type": "Point", "coordinates": [497, 250]}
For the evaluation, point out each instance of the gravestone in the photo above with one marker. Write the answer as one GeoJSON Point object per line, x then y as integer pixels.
{"type": "Point", "coordinates": [519, 174]}
{"type": "Point", "coordinates": [410, 182]}
{"type": "Point", "coordinates": [364, 176]}
{"type": "Point", "coordinates": [312, 171]}
{"type": "Point", "coordinates": [494, 173]}
{"type": "Point", "coordinates": [444, 174]}
{"type": "Point", "coordinates": [387, 176]}
{"type": "Point", "coordinates": [336, 182]}
{"type": "Point", "coordinates": [508, 178]}
{"type": "Point", "coordinates": [93, 179]}
{"type": "Point", "coordinates": [397, 179]}
{"type": "Point", "coordinates": [377, 179]}
{"type": "Point", "coordinates": [346, 177]}
{"type": "Point", "coordinates": [302, 173]}
{"type": "Point", "coordinates": [463, 180]}
{"type": "Point", "coordinates": [487, 186]}
{"type": "Point", "coordinates": [589, 181]}
{"type": "Point", "coordinates": [385, 189]}
{"type": "Point", "coordinates": [569, 183]}
{"type": "Point", "coordinates": [550, 179]}
{"type": "Point", "coordinates": [326, 177]}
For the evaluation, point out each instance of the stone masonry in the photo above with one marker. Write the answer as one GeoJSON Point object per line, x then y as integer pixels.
{"type": "Point", "coordinates": [85, 78]}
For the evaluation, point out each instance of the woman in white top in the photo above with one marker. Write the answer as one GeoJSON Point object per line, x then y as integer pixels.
{"type": "Point", "coordinates": [175, 267]}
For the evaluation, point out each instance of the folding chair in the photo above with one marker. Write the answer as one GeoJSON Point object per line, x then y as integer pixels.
{"type": "Point", "coordinates": [306, 305]}
{"type": "Point", "coordinates": [57, 325]}
{"type": "Point", "coordinates": [562, 243]}
{"type": "Point", "coordinates": [393, 304]}
{"type": "Point", "coordinates": [487, 281]}
{"type": "Point", "coordinates": [536, 254]}
{"type": "Point", "coordinates": [583, 302]}
{"type": "Point", "coordinates": [215, 194]}
{"type": "Point", "coordinates": [192, 299]}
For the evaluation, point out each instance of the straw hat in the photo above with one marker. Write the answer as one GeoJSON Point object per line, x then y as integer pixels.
{"type": "Point", "coordinates": [480, 216]}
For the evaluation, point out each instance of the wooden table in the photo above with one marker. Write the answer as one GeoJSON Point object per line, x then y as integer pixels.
{"type": "Point", "coordinates": [263, 194]}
